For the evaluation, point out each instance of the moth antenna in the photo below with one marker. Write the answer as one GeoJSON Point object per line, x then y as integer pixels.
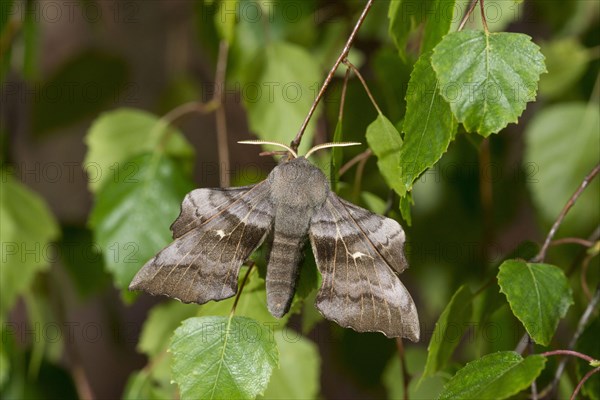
{"type": "Point", "coordinates": [268, 142]}
{"type": "Point", "coordinates": [328, 145]}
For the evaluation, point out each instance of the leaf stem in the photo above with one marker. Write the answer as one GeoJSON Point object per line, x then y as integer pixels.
{"type": "Point", "coordinates": [572, 240]}
{"type": "Point", "coordinates": [343, 98]}
{"type": "Point", "coordinates": [582, 381]}
{"type": "Point", "coordinates": [358, 158]}
{"type": "Point", "coordinates": [569, 353]}
{"type": "Point", "coordinates": [465, 17]}
{"type": "Point", "coordinates": [483, 20]}
{"type": "Point", "coordinates": [364, 83]}
{"type": "Point", "coordinates": [239, 293]}
{"type": "Point", "coordinates": [586, 181]}
{"type": "Point", "coordinates": [296, 142]}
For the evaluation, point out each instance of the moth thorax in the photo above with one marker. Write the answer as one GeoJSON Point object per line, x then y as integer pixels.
{"type": "Point", "coordinates": [298, 183]}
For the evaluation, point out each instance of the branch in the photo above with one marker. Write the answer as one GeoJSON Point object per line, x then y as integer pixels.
{"type": "Point", "coordinates": [296, 142]}
{"type": "Point", "coordinates": [241, 289]}
{"type": "Point", "coordinates": [364, 83]}
{"type": "Point", "coordinates": [222, 145]}
{"type": "Point", "coordinates": [586, 181]}
{"type": "Point", "coordinates": [465, 17]}
{"type": "Point", "coordinates": [585, 378]}
{"type": "Point", "coordinates": [364, 155]}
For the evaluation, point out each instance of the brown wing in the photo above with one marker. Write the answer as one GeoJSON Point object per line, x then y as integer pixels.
{"type": "Point", "coordinates": [215, 233]}
{"type": "Point", "coordinates": [357, 253]}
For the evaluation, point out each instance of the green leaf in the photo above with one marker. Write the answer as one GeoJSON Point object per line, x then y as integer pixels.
{"type": "Point", "coordinates": [299, 369]}
{"type": "Point", "coordinates": [553, 133]}
{"type": "Point", "coordinates": [162, 321]}
{"type": "Point", "coordinates": [279, 100]}
{"type": "Point", "coordinates": [132, 214]}
{"type": "Point", "coordinates": [539, 296]}
{"type": "Point", "coordinates": [589, 344]}
{"type": "Point", "coordinates": [448, 331]}
{"type": "Point", "coordinates": [440, 15]}
{"type": "Point", "coordinates": [144, 385]}
{"type": "Point", "coordinates": [222, 358]}
{"type": "Point", "coordinates": [119, 135]}
{"type": "Point", "coordinates": [566, 60]}
{"type": "Point", "coordinates": [386, 142]}
{"type": "Point", "coordinates": [83, 86]}
{"type": "Point", "coordinates": [494, 376]}
{"type": "Point", "coordinates": [406, 202]}
{"type": "Point", "coordinates": [26, 230]}
{"type": "Point", "coordinates": [487, 78]}
{"type": "Point", "coordinates": [429, 125]}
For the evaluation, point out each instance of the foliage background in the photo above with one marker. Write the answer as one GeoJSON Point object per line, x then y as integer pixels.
{"type": "Point", "coordinates": [83, 87]}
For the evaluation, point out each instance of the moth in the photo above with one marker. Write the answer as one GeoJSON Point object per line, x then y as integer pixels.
{"type": "Point", "coordinates": [358, 253]}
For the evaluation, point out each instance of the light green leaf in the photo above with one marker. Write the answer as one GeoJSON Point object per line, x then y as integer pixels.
{"type": "Point", "coordinates": [552, 135]}
{"type": "Point", "coordinates": [222, 358]}
{"type": "Point", "coordinates": [132, 214]}
{"type": "Point", "coordinates": [119, 135]}
{"type": "Point", "coordinates": [386, 142]}
{"type": "Point", "coordinates": [487, 78]}
{"type": "Point", "coordinates": [566, 60]}
{"type": "Point", "coordinates": [539, 296]}
{"type": "Point", "coordinates": [279, 100]}
{"type": "Point", "coordinates": [448, 331]}
{"type": "Point", "coordinates": [429, 125]}
{"type": "Point", "coordinates": [299, 369]}
{"type": "Point", "coordinates": [160, 324]}
{"type": "Point", "coordinates": [26, 230]}
{"type": "Point", "coordinates": [440, 15]}
{"type": "Point", "coordinates": [494, 376]}
{"type": "Point", "coordinates": [588, 343]}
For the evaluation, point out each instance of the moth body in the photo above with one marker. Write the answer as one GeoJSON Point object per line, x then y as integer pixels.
{"type": "Point", "coordinates": [298, 189]}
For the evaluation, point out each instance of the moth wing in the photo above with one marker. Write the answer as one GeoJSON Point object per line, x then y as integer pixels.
{"type": "Point", "coordinates": [359, 255]}
{"type": "Point", "coordinates": [215, 233]}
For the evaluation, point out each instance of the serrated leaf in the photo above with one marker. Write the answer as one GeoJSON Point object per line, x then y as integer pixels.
{"type": "Point", "coordinates": [386, 142]}
{"type": "Point", "coordinates": [278, 101]}
{"type": "Point", "coordinates": [299, 369]}
{"type": "Point", "coordinates": [448, 331]}
{"type": "Point", "coordinates": [589, 344]}
{"type": "Point", "coordinates": [27, 228]}
{"type": "Point", "coordinates": [571, 128]}
{"type": "Point", "coordinates": [117, 136]}
{"type": "Point", "coordinates": [86, 84]}
{"type": "Point", "coordinates": [222, 357]}
{"type": "Point", "coordinates": [429, 125]}
{"type": "Point", "coordinates": [487, 78]}
{"type": "Point", "coordinates": [133, 213]}
{"type": "Point", "coordinates": [494, 376]}
{"type": "Point", "coordinates": [539, 296]}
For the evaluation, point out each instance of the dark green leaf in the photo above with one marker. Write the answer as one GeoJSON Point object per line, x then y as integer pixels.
{"type": "Point", "coordinates": [448, 331]}
{"type": "Point", "coordinates": [299, 369]}
{"type": "Point", "coordinates": [494, 376]}
{"type": "Point", "coordinates": [132, 214]}
{"type": "Point", "coordinates": [554, 133]}
{"type": "Point", "coordinates": [440, 14]}
{"type": "Point", "coordinates": [539, 296]}
{"type": "Point", "coordinates": [119, 135]}
{"type": "Point", "coordinates": [27, 228]}
{"type": "Point", "coordinates": [404, 16]}
{"type": "Point", "coordinates": [429, 125]}
{"type": "Point", "coordinates": [487, 78]}
{"type": "Point", "coordinates": [81, 87]}
{"type": "Point", "coordinates": [385, 141]}
{"type": "Point", "coordinates": [223, 358]}
{"type": "Point", "coordinates": [406, 202]}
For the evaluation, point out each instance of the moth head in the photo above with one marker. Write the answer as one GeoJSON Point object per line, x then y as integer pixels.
{"type": "Point", "coordinates": [308, 153]}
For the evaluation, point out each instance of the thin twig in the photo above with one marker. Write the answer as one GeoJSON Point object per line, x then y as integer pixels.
{"type": "Point", "coordinates": [574, 240]}
{"type": "Point", "coordinates": [358, 158]}
{"type": "Point", "coordinates": [585, 317]}
{"type": "Point", "coordinates": [358, 178]}
{"type": "Point", "coordinates": [465, 17]}
{"type": "Point", "coordinates": [483, 20]}
{"type": "Point", "coordinates": [582, 381]}
{"type": "Point", "coordinates": [364, 83]}
{"type": "Point", "coordinates": [178, 112]}
{"type": "Point", "coordinates": [221, 120]}
{"type": "Point", "coordinates": [534, 391]}
{"type": "Point", "coordinates": [405, 375]}
{"type": "Point", "coordinates": [296, 142]}
{"type": "Point", "coordinates": [569, 353]}
{"type": "Point", "coordinates": [241, 289]}
{"type": "Point", "coordinates": [583, 277]}
{"type": "Point", "coordinates": [586, 181]}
